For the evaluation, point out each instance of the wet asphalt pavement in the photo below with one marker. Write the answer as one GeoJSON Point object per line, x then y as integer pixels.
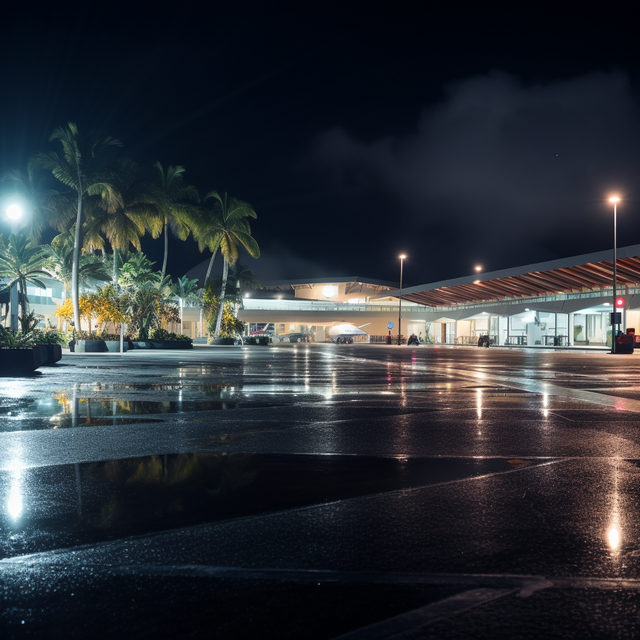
{"type": "Point", "coordinates": [322, 491]}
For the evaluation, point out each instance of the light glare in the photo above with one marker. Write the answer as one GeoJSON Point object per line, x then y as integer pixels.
{"type": "Point", "coordinates": [14, 211]}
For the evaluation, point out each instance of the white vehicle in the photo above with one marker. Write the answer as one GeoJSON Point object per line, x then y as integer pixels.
{"type": "Point", "coordinates": [346, 332]}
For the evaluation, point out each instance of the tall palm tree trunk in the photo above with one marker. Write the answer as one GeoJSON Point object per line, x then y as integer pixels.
{"type": "Point", "coordinates": [166, 249]}
{"type": "Point", "coordinates": [204, 284]}
{"type": "Point", "coordinates": [115, 267]}
{"type": "Point", "coordinates": [225, 273]}
{"type": "Point", "coordinates": [22, 298]}
{"type": "Point", "coordinates": [75, 280]}
{"type": "Point", "coordinates": [213, 257]}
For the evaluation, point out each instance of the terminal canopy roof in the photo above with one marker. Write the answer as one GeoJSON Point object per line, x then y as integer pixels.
{"type": "Point", "coordinates": [589, 272]}
{"type": "Point", "coordinates": [353, 284]}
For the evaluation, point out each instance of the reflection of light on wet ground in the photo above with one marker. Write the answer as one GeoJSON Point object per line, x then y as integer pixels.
{"type": "Point", "coordinates": [14, 504]}
{"type": "Point", "coordinates": [614, 532]}
{"type": "Point", "coordinates": [479, 403]}
{"type": "Point", "coordinates": [613, 537]}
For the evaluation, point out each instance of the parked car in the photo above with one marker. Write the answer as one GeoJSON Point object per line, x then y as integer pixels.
{"type": "Point", "coordinates": [295, 337]}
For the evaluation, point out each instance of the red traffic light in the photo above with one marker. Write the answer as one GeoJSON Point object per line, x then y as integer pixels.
{"type": "Point", "coordinates": [620, 302]}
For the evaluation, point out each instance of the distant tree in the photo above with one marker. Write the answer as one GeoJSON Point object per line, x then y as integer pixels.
{"type": "Point", "coordinates": [124, 224]}
{"type": "Point", "coordinates": [58, 263]}
{"type": "Point", "coordinates": [21, 263]}
{"type": "Point", "coordinates": [243, 278]}
{"type": "Point", "coordinates": [233, 230]}
{"type": "Point", "coordinates": [84, 166]}
{"type": "Point", "coordinates": [173, 200]}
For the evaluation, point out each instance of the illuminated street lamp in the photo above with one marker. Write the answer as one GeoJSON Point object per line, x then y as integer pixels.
{"type": "Point", "coordinates": [614, 200]}
{"type": "Point", "coordinates": [478, 268]}
{"type": "Point", "coordinates": [14, 213]}
{"type": "Point", "coordinates": [402, 259]}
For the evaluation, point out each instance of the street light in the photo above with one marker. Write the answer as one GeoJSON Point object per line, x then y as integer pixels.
{"type": "Point", "coordinates": [402, 259]}
{"type": "Point", "coordinates": [14, 213]}
{"type": "Point", "coordinates": [614, 200]}
{"type": "Point", "coordinates": [478, 268]}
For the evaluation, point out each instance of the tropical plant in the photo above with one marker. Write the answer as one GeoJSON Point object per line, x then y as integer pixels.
{"type": "Point", "coordinates": [242, 278]}
{"type": "Point", "coordinates": [230, 325]}
{"type": "Point", "coordinates": [38, 336]}
{"type": "Point", "coordinates": [59, 263]}
{"type": "Point", "coordinates": [85, 167]}
{"type": "Point", "coordinates": [107, 306]}
{"type": "Point", "coordinates": [230, 230]}
{"type": "Point", "coordinates": [21, 263]}
{"type": "Point", "coordinates": [147, 309]}
{"type": "Point", "coordinates": [138, 272]}
{"type": "Point", "coordinates": [173, 203]}
{"type": "Point", "coordinates": [10, 339]}
{"type": "Point", "coordinates": [29, 321]}
{"type": "Point", "coordinates": [123, 225]}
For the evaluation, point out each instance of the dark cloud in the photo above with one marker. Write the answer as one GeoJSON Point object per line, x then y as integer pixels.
{"type": "Point", "coordinates": [503, 168]}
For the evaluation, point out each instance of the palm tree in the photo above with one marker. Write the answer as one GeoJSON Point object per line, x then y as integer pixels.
{"type": "Point", "coordinates": [126, 223]}
{"type": "Point", "coordinates": [137, 272]}
{"type": "Point", "coordinates": [175, 214]}
{"type": "Point", "coordinates": [59, 263]}
{"type": "Point", "coordinates": [21, 263]}
{"type": "Point", "coordinates": [84, 166]}
{"type": "Point", "coordinates": [38, 198]}
{"type": "Point", "coordinates": [243, 277]}
{"type": "Point", "coordinates": [233, 231]}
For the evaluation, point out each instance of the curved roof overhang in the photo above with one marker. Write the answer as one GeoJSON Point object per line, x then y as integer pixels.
{"type": "Point", "coordinates": [589, 272]}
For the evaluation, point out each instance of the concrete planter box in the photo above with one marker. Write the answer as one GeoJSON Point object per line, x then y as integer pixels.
{"type": "Point", "coordinates": [172, 344]}
{"type": "Point", "coordinates": [44, 356]}
{"type": "Point", "coordinates": [228, 341]}
{"type": "Point", "coordinates": [114, 346]}
{"type": "Point", "coordinates": [54, 353]}
{"type": "Point", "coordinates": [18, 361]}
{"type": "Point", "coordinates": [142, 344]}
{"type": "Point", "coordinates": [90, 346]}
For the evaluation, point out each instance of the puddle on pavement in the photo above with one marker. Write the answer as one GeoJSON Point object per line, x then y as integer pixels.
{"type": "Point", "coordinates": [111, 404]}
{"type": "Point", "coordinates": [61, 506]}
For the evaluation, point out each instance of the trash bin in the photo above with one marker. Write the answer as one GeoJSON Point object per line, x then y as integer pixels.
{"type": "Point", "coordinates": [625, 342]}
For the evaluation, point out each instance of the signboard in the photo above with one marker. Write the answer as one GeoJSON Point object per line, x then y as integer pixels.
{"type": "Point", "coordinates": [389, 325]}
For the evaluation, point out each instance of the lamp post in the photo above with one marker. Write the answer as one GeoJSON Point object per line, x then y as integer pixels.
{"type": "Point", "coordinates": [14, 213]}
{"type": "Point", "coordinates": [402, 259]}
{"type": "Point", "coordinates": [615, 201]}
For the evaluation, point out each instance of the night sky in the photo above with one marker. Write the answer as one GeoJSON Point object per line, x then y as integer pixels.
{"type": "Point", "coordinates": [358, 130]}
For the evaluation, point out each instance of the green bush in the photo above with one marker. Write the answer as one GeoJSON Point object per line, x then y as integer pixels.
{"type": "Point", "coordinates": [38, 336]}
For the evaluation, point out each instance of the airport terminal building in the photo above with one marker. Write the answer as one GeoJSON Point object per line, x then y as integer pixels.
{"type": "Point", "coordinates": [557, 303]}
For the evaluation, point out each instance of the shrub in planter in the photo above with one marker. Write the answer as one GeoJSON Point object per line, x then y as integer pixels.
{"type": "Point", "coordinates": [158, 335]}
{"type": "Point", "coordinates": [17, 354]}
{"type": "Point", "coordinates": [112, 340]}
{"type": "Point", "coordinates": [87, 342]}
{"type": "Point", "coordinates": [51, 341]}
